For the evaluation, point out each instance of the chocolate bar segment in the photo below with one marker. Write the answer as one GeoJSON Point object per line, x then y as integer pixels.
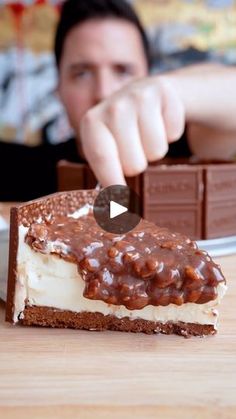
{"type": "Point", "coordinates": [74, 176]}
{"type": "Point", "coordinates": [220, 200]}
{"type": "Point", "coordinates": [173, 198]}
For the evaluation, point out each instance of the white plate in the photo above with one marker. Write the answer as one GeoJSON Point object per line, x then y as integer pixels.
{"type": "Point", "coordinates": [219, 247]}
{"type": "Point", "coordinates": [4, 244]}
{"type": "Point", "coordinates": [3, 224]}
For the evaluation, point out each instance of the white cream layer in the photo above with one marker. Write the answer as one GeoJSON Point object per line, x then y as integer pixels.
{"type": "Point", "coordinates": [46, 280]}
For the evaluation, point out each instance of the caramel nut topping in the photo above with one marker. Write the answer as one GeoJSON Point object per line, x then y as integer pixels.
{"type": "Point", "coordinates": [149, 265]}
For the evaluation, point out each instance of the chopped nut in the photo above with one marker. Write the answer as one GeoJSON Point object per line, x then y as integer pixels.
{"type": "Point", "coordinates": [130, 257]}
{"type": "Point", "coordinates": [90, 264]}
{"type": "Point", "coordinates": [152, 264]}
{"type": "Point", "coordinates": [193, 296]}
{"type": "Point", "coordinates": [191, 273]}
{"type": "Point", "coordinates": [113, 252]}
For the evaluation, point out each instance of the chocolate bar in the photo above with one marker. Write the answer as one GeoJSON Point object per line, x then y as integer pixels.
{"type": "Point", "coordinates": [194, 198]}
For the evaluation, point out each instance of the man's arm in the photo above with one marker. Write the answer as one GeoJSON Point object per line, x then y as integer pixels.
{"type": "Point", "coordinates": [208, 93]}
{"type": "Point", "coordinates": [135, 125]}
{"type": "Point", "coordinates": [209, 143]}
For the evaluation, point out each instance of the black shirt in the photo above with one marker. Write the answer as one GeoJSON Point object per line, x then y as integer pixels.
{"type": "Point", "coordinates": [30, 172]}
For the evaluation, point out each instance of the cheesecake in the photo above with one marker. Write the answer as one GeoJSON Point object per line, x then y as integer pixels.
{"type": "Point", "coordinates": [66, 271]}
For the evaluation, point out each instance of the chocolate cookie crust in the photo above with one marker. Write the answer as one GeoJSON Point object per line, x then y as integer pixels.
{"type": "Point", "coordinates": [50, 317]}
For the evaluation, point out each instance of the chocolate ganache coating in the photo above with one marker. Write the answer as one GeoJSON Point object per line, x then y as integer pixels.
{"type": "Point", "coordinates": [146, 266]}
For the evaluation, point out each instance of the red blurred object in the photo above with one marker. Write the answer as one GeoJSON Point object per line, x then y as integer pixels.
{"type": "Point", "coordinates": [18, 10]}
{"type": "Point", "coordinates": [39, 2]}
{"type": "Point", "coordinates": [18, 7]}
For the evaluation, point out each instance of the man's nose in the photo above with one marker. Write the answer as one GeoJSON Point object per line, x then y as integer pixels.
{"type": "Point", "coordinates": [105, 85]}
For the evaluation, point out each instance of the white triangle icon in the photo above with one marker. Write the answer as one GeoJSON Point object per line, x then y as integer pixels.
{"type": "Point", "coordinates": [116, 209]}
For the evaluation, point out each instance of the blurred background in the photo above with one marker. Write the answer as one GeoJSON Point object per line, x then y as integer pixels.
{"type": "Point", "coordinates": [181, 32]}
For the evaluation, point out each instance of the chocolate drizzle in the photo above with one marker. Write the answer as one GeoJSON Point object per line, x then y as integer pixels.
{"type": "Point", "coordinates": [149, 265]}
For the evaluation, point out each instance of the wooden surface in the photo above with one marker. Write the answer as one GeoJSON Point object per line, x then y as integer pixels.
{"type": "Point", "coordinates": [46, 373]}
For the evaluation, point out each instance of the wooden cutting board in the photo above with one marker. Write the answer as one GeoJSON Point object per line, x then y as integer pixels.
{"type": "Point", "coordinates": [46, 373]}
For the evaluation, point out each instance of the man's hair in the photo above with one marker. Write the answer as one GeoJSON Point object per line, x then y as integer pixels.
{"type": "Point", "coordinates": [75, 12]}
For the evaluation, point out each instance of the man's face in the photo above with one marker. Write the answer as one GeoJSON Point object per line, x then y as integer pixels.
{"type": "Point", "coordinates": [99, 57]}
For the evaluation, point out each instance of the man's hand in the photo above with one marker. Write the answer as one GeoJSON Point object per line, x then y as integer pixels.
{"type": "Point", "coordinates": [131, 128]}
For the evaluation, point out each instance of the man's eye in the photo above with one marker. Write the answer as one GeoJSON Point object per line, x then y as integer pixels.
{"type": "Point", "coordinates": [124, 70]}
{"type": "Point", "coordinates": [81, 74]}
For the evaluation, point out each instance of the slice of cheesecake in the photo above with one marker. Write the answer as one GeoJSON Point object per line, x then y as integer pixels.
{"type": "Point", "coordinates": [65, 271]}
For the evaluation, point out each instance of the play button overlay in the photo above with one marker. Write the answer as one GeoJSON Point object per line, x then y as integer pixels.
{"type": "Point", "coordinates": [117, 209]}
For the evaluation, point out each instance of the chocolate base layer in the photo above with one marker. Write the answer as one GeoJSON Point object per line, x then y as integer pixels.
{"type": "Point", "coordinates": [51, 317]}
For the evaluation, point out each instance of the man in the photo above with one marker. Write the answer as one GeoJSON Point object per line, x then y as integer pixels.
{"type": "Point", "coordinates": [124, 119]}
